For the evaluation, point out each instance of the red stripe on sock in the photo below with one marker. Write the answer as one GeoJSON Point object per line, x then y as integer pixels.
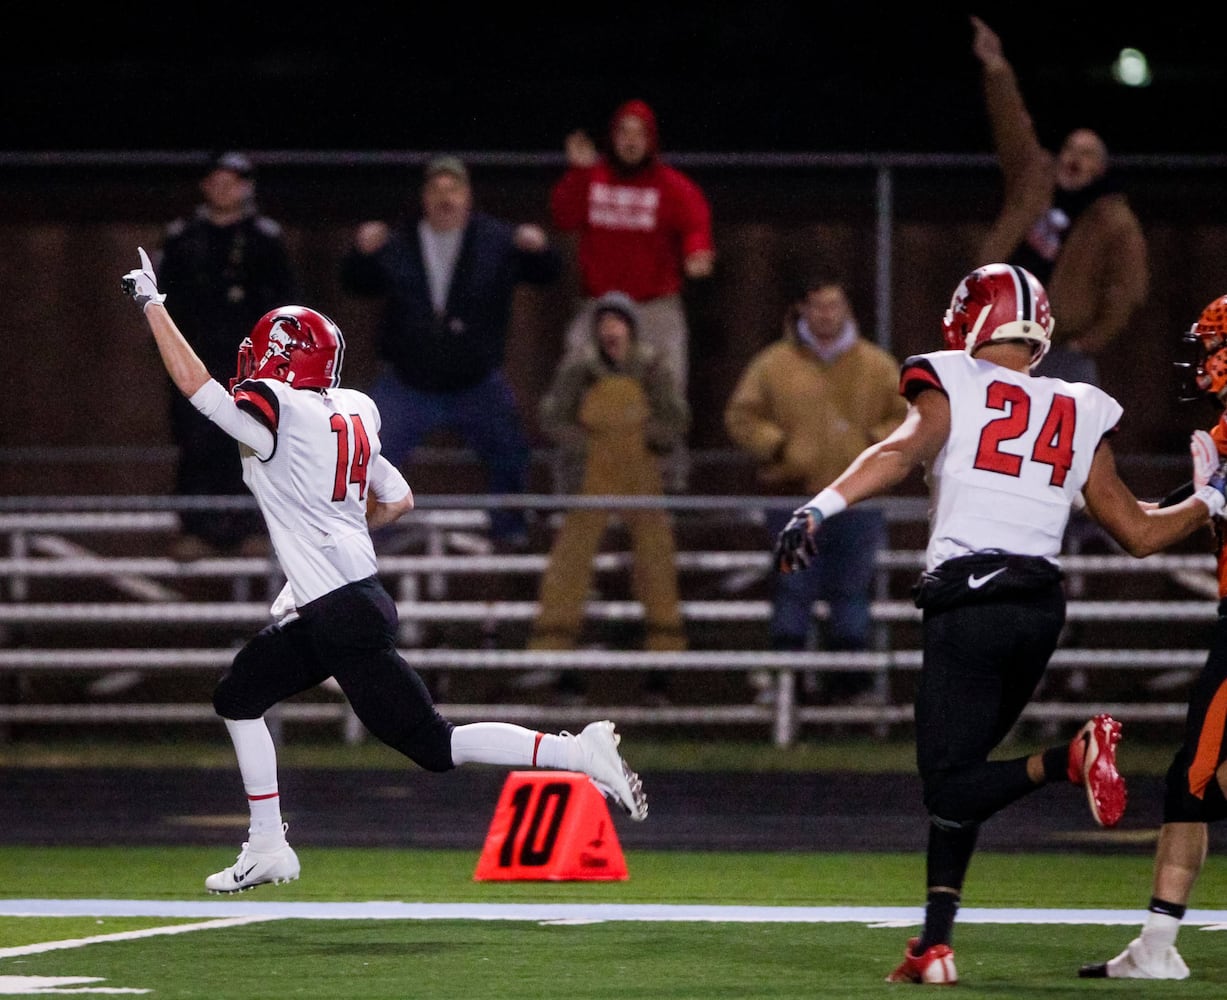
{"type": "Point", "coordinates": [536, 744]}
{"type": "Point", "coordinates": [260, 798]}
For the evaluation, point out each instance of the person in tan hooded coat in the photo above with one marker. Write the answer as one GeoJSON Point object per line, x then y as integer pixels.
{"type": "Point", "coordinates": [613, 411]}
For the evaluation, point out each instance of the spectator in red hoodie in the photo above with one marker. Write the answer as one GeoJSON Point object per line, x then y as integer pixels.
{"type": "Point", "coordinates": [643, 228]}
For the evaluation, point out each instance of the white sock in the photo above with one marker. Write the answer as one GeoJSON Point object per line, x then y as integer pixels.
{"type": "Point", "coordinates": [511, 745]}
{"type": "Point", "coordinates": [1159, 932]}
{"type": "Point", "coordinates": [257, 756]}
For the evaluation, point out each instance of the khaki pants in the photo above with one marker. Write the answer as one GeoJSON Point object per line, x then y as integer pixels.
{"type": "Point", "coordinates": [565, 584]}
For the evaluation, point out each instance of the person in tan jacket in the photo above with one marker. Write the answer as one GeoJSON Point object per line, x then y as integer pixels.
{"type": "Point", "coordinates": [613, 411]}
{"type": "Point", "coordinates": [1065, 220]}
{"type": "Point", "coordinates": [804, 407]}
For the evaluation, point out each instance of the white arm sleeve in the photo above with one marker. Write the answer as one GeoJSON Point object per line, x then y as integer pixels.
{"type": "Point", "coordinates": [385, 481]}
{"type": "Point", "coordinates": [218, 405]}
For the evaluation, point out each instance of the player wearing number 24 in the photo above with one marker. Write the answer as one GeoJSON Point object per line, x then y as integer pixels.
{"type": "Point", "coordinates": [1006, 456]}
{"type": "Point", "coordinates": [311, 456]}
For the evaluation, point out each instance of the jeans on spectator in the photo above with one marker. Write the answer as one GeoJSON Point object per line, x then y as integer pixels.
{"type": "Point", "coordinates": [484, 415]}
{"type": "Point", "coordinates": [842, 574]}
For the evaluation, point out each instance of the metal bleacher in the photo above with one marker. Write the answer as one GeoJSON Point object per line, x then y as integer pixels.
{"type": "Point", "coordinates": [100, 628]}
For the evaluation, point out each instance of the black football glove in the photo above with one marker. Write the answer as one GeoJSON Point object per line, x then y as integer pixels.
{"type": "Point", "coordinates": [797, 544]}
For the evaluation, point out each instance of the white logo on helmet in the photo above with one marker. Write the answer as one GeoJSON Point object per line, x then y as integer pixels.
{"type": "Point", "coordinates": [281, 340]}
{"type": "Point", "coordinates": [1032, 320]}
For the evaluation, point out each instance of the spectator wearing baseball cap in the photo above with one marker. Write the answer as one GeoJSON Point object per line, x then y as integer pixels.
{"type": "Point", "coordinates": [452, 165]}
{"type": "Point", "coordinates": [238, 164]}
{"type": "Point", "coordinates": [223, 267]}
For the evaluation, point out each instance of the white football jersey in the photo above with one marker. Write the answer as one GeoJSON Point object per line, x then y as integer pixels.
{"type": "Point", "coordinates": [1018, 455]}
{"type": "Point", "coordinates": [311, 483]}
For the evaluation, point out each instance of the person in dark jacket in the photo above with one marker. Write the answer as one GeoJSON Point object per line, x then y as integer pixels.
{"type": "Point", "coordinates": [227, 265]}
{"type": "Point", "coordinates": [449, 277]}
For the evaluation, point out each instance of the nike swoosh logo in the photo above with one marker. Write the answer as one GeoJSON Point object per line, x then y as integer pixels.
{"type": "Point", "coordinates": [976, 582]}
{"type": "Point", "coordinates": [239, 878]}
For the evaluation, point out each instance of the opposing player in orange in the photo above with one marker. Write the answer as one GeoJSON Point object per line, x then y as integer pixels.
{"type": "Point", "coordinates": [1197, 778]}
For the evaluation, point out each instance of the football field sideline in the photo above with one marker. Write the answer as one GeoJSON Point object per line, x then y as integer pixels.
{"type": "Point", "coordinates": [545, 950]}
{"type": "Point", "coordinates": [572, 912]}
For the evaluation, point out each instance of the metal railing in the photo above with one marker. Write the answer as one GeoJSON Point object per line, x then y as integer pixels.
{"type": "Point", "coordinates": [40, 553]}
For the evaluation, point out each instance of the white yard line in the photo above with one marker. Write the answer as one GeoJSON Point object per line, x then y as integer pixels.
{"type": "Point", "coordinates": [42, 946]}
{"type": "Point", "coordinates": [251, 910]}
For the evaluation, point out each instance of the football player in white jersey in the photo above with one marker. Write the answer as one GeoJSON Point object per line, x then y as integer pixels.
{"type": "Point", "coordinates": [310, 453]}
{"type": "Point", "coordinates": [1006, 456]}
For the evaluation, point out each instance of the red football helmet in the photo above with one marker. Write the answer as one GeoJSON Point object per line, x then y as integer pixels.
{"type": "Point", "coordinates": [1205, 374]}
{"type": "Point", "coordinates": [295, 345]}
{"type": "Point", "coordinates": [999, 302]}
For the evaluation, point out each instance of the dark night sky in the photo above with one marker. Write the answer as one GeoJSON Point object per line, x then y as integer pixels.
{"type": "Point", "coordinates": [723, 77]}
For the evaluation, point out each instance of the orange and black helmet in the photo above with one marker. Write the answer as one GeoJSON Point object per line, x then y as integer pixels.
{"type": "Point", "coordinates": [1205, 373]}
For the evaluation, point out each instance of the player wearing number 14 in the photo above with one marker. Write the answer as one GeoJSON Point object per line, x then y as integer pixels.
{"type": "Point", "coordinates": [311, 457]}
{"type": "Point", "coordinates": [1006, 455]}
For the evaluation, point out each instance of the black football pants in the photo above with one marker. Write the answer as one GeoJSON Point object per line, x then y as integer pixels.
{"type": "Point", "coordinates": [349, 634]}
{"type": "Point", "coordinates": [981, 665]}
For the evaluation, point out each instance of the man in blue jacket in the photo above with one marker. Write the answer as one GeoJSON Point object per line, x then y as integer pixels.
{"type": "Point", "coordinates": [449, 277]}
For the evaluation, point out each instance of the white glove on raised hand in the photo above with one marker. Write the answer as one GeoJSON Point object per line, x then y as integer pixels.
{"type": "Point", "coordinates": [1205, 458]}
{"type": "Point", "coordinates": [1209, 475]}
{"type": "Point", "coordinates": [142, 284]}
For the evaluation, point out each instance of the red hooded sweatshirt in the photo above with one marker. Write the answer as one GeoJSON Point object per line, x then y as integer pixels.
{"type": "Point", "coordinates": [635, 227]}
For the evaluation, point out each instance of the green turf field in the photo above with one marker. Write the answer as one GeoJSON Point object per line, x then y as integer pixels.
{"type": "Point", "coordinates": [207, 954]}
{"type": "Point", "coordinates": [472, 960]}
{"type": "Point", "coordinates": [659, 959]}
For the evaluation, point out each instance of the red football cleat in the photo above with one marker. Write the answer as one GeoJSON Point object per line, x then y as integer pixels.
{"type": "Point", "coordinates": [935, 967]}
{"type": "Point", "coordinates": [1092, 764]}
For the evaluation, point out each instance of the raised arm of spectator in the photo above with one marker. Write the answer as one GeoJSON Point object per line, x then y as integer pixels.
{"type": "Point", "coordinates": [362, 268]}
{"type": "Point", "coordinates": [538, 261]}
{"type": "Point", "coordinates": [1014, 135]}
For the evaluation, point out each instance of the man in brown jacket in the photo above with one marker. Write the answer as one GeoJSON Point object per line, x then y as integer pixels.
{"type": "Point", "coordinates": [1064, 220]}
{"type": "Point", "coordinates": [804, 407]}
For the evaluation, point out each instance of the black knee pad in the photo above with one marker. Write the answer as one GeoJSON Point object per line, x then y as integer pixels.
{"type": "Point", "coordinates": [429, 744]}
{"type": "Point", "coordinates": [1181, 806]}
{"type": "Point", "coordinates": [233, 698]}
{"type": "Point", "coordinates": [231, 702]}
{"type": "Point", "coordinates": [939, 801]}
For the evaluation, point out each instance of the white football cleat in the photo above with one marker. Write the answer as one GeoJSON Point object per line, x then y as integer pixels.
{"type": "Point", "coordinates": [254, 868]}
{"type": "Point", "coordinates": [598, 743]}
{"type": "Point", "coordinates": [1139, 962]}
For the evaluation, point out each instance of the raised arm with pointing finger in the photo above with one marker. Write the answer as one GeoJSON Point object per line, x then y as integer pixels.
{"type": "Point", "coordinates": [311, 455]}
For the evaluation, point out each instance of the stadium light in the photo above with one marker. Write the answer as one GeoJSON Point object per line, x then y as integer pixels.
{"type": "Point", "coordinates": [1131, 68]}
